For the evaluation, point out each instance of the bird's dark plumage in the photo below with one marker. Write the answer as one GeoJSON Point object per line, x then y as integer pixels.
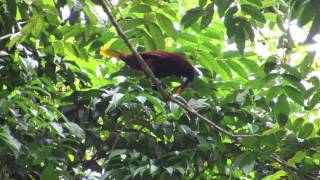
{"type": "Point", "coordinates": [161, 63]}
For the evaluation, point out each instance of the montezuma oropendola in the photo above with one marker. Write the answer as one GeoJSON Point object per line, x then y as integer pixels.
{"type": "Point", "coordinates": [161, 63]}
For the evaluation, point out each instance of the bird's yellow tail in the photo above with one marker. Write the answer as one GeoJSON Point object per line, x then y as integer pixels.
{"type": "Point", "coordinates": [108, 52]}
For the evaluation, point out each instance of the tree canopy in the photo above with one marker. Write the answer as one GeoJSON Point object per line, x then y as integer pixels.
{"type": "Point", "coordinates": [68, 113]}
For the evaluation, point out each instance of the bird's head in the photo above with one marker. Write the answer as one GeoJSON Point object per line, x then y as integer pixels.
{"type": "Point", "coordinates": [185, 82]}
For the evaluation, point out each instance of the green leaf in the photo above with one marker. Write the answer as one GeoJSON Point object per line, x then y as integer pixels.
{"type": "Point", "coordinates": [296, 95]}
{"type": "Point", "coordinates": [207, 16]}
{"type": "Point", "coordinates": [202, 3]}
{"type": "Point", "coordinates": [294, 81]}
{"type": "Point", "coordinates": [167, 25]}
{"type": "Point", "coordinates": [140, 171]}
{"type": "Point", "coordinates": [314, 100]}
{"type": "Point", "coordinates": [35, 26]}
{"type": "Point", "coordinates": [291, 70]}
{"type": "Point", "coordinates": [315, 81]}
{"type": "Point", "coordinates": [57, 127]}
{"type": "Point", "coordinates": [92, 18]}
{"type": "Point", "coordinates": [229, 21]}
{"type": "Point", "coordinates": [306, 130]}
{"type": "Point", "coordinates": [49, 173]}
{"type": "Point", "coordinates": [17, 38]}
{"type": "Point", "coordinates": [277, 175]}
{"type": "Point", "coordinates": [305, 65]}
{"type": "Point", "coordinates": [117, 152]}
{"type": "Point", "coordinates": [206, 60]}
{"type": "Point", "coordinates": [223, 5]}
{"type": "Point", "coordinates": [116, 100]}
{"type": "Point", "coordinates": [157, 103]}
{"type": "Point", "coordinates": [156, 35]}
{"type": "Point", "coordinates": [256, 2]}
{"type": "Point", "coordinates": [266, 81]}
{"type": "Point", "coordinates": [282, 110]}
{"type": "Point", "coordinates": [141, 8]}
{"type": "Point", "coordinates": [315, 28]}
{"type": "Point", "coordinates": [129, 24]}
{"type": "Point", "coordinates": [308, 12]}
{"type": "Point", "coordinates": [272, 93]}
{"type": "Point", "coordinates": [13, 144]}
{"type": "Point", "coordinates": [254, 12]}
{"type": "Point", "coordinates": [248, 28]}
{"type": "Point", "coordinates": [75, 130]}
{"type": "Point", "coordinates": [225, 68]}
{"type": "Point", "coordinates": [237, 68]}
{"type": "Point", "coordinates": [148, 42]}
{"type": "Point", "coordinates": [188, 37]}
{"type": "Point", "coordinates": [247, 162]}
{"type": "Point", "coordinates": [297, 158]}
{"type": "Point", "coordinates": [251, 142]}
{"type": "Point", "coordinates": [269, 66]}
{"type": "Point", "coordinates": [280, 22]}
{"type": "Point", "coordinates": [153, 170]}
{"type": "Point", "coordinates": [190, 17]}
{"type": "Point", "coordinates": [240, 39]}
{"type": "Point", "coordinates": [297, 124]}
{"type": "Point", "coordinates": [169, 170]}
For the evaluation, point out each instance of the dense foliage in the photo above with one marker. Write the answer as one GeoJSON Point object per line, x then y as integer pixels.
{"type": "Point", "coordinates": [66, 112]}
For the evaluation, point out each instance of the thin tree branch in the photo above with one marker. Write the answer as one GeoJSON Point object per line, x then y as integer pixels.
{"type": "Point", "coordinates": [290, 169]}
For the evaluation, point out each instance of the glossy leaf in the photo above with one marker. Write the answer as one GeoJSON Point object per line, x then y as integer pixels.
{"type": "Point", "coordinates": [190, 17]}
{"type": "Point", "coordinates": [308, 12]}
{"type": "Point", "coordinates": [254, 12]}
{"type": "Point", "coordinates": [294, 94]}
{"type": "Point", "coordinates": [314, 100]}
{"type": "Point", "coordinates": [240, 39]}
{"type": "Point", "coordinates": [306, 130]}
{"type": "Point", "coordinates": [282, 110]}
{"type": "Point", "coordinates": [207, 16]}
{"type": "Point", "coordinates": [156, 35]}
{"type": "Point", "coordinates": [141, 8]}
{"type": "Point", "coordinates": [167, 25]}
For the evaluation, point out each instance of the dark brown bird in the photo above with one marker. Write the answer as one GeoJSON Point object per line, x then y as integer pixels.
{"type": "Point", "coordinates": [161, 63]}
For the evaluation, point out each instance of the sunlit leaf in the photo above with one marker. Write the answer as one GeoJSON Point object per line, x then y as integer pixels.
{"type": "Point", "coordinates": [254, 12]}
{"type": "Point", "coordinates": [141, 8]}
{"type": "Point", "coordinates": [167, 25]}
{"type": "Point", "coordinates": [294, 94]}
{"type": "Point", "coordinates": [156, 35]}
